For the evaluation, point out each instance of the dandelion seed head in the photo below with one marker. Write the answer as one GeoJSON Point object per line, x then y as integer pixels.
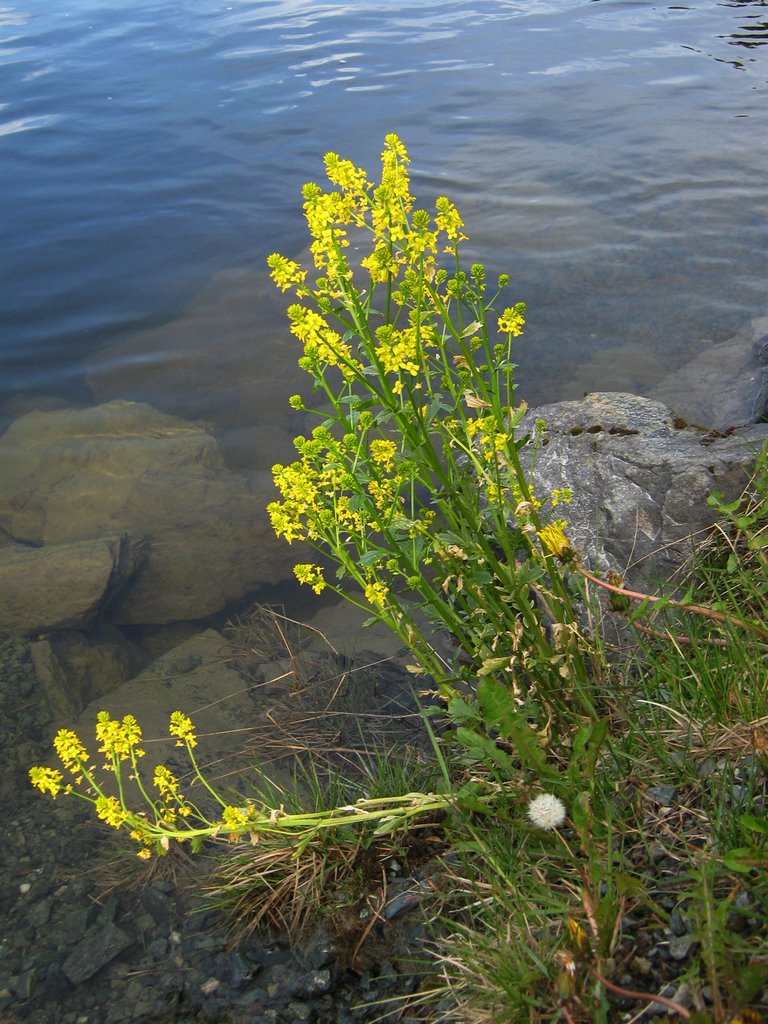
{"type": "Point", "coordinates": [546, 811]}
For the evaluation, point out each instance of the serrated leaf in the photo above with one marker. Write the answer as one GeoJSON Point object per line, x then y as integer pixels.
{"type": "Point", "coordinates": [484, 749]}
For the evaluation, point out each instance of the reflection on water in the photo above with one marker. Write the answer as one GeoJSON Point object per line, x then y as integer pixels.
{"type": "Point", "coordinates": [754, 31]}
{"type": "Point", "coordinates": [605, 153]}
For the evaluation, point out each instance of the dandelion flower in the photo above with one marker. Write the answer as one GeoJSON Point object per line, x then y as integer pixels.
{"type": "Point", "coordinates": [546, 811]}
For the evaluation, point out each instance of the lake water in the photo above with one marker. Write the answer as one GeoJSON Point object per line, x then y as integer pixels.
{"type": "Point", "coordinates": [610, 155]}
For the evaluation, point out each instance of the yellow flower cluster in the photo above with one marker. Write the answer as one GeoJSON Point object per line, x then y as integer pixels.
{"type": "Point", "coordinates": [110, 810]}
{"type": "Point", "coordinates": [321, 343]}
{"type": "Point", "coordinates": [401, 351]}
{"type": "Point", "coordinates": [47, 780]}
{"type": "Point", "coordinates": [403, 240]}
{"type": "Point", "coordinates": [181, 726]}
{"type": "Point", "coordinates": [312, 575]}
{"type": "Point", "coordinates": [383, 452]}
{"type": "Point", "coordinates": [488, 439]}
{"type": "Point", "coordinates": [376, 594]}
{"type": "Point", "coordinates": [285, 273]}
{"type": "Point", "coordinates": [319, 492]}
{"type": "Point", "coordinates": [71, 751]}
{"type": "Point", "coordinates": [512, 320]}
{"type": "Point", "coordinates": [118, 739]}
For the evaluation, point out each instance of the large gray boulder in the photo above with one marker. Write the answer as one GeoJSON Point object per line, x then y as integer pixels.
{"type": "Point", "coordinates": [197, 534]}
{"type": "Point", "coordinates": [640, 479]}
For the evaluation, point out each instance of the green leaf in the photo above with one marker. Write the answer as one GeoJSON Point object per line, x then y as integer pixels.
{"type": "Point", "coordinates": [587, 744]}
{"type": "Point", "coordinates": [483, 749]}
{"type": "Point", "coordinates": [759, 825]}
{"type": "Point", "coordinates": [369, 558]}
{"type": "Point", "coordinates": [581, 813]}
{"type": "Point", "coordinates": [459, 711]}
{"type": "Point", "coordinates": [743, 860]}
{"type": "Point", "coordinates": [491, 665]}
{"type": "Point", "coordinates": [500, 712]}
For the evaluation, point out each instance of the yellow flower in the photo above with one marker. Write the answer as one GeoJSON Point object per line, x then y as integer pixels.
{"type": "Point", "coordinates": [448, 219]}
{"type": "Point", "coordinates": [512, 320]}
{"type": "Point", "coordinates": [344, 174]}
{"type": "Point", "coordinates": [181, 726]}
{"type": "Point", "coordinates": [555, 541]}
{"type": "Point", "coordinates": [312, 575]}
{"type": "Point", "coordinates": [383, 453]}
{"type": "Point", "coordinates": [561, 494]}
{"type": "Point", "coordinates": [118, 738]}
{"type": "Point", "coordinates": [71, 751]}
{"type": "Point", "coordinates": [47, 780]}
{"type": "Point", "coordinates": [235, 817]}
{"type": "Point", "coordinates": [284, 272]}
{"type": "Point", "coordinates": [109, 810]}
{"type": "Point", "coordinates": [165, 782]}
{"type": "Point", "coordinates": [376, 594]}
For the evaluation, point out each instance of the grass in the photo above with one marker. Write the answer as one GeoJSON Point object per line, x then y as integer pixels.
{"type": "Point", "coordinates": [650, 903]}
{"type": "Point", "coordinates": [580, 925]}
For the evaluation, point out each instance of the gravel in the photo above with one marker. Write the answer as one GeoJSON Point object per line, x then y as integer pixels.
{"type": "Point", "coordinates": [91, 935]}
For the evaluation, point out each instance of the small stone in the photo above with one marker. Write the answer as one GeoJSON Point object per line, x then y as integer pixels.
{"type": "Point", "coordinates": [24, 888]}
{"type": "Point", "coordinates": [682, 996]}
{"type": "Point", "coordinates": [664, 795]}
{"type": "Point", "coordinates": [39, 914]}
{"type": "Point", "coordinates": [314, 983]}
{"type": "Point", "coordinates": [678, 924]}
{"type": "Point", "coordinates": [210, 986]}
{"type": "Point", "coordinates": [300, 1011]}
{"type": "Point", "coordinates": [641, 965]}
{"type": "Point", "coordinates": [99, 946]}
{"type": "Point", "coordinates": [680, 946]}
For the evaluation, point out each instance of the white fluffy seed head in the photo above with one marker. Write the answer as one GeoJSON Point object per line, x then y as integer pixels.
{"type": "Point", "coordinates": [546, 811]}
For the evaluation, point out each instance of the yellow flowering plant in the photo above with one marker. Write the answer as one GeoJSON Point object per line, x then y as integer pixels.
{"type": "Point", "coordinates": [158, 814]}
{"type": "Point", "coordinates": [416, 481]}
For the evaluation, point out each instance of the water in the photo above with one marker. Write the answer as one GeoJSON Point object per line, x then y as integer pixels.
{"type": "Point", "coordinates": [610, 155]}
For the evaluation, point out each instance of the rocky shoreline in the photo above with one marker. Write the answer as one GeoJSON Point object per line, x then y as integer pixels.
{"type": "Point", "coordinates": [125, 539]}
{"type": "Point", "coordinates": [92, 935]}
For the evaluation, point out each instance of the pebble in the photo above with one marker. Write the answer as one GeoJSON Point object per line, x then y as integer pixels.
{"type": "Point", "coordinates": [69, 954]}
{"type": "Point", "coordinates": [664, 795]}
{"type": "Point", "coordinates": [680, 946]}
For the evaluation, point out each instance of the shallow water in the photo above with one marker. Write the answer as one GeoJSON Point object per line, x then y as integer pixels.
{"type": "Point", "coordinates": [610, 155]}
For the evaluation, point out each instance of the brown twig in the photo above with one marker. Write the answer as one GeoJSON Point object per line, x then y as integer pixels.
{"type": "Point", "coordinates": [647, 997]}
{"type": "Point", "coordinates": [696, 609]}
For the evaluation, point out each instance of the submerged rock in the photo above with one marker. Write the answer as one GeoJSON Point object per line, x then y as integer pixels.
{"type": "Point", "coordinates": [62, 586]}
{"type": "Point", "coordinates": [195, 533]}
{"type": "Point", "coordinates": [724, 386]}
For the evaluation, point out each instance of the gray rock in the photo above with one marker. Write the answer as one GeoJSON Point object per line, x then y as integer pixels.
{"type": "Point", "coordinates": [62, 585]}
{"type": "Point", "coordinates": [680, 946]}
{"type": "Point", "coordinates": [665, 795]}
{"type": "Point", "coordinates": [313, 983]}
{"type": "Point", "coordinates": [98, 948]}
{"type": "Point", "coordinates": [198, 534]}
{"type": "Point", "coordinates": [640, 480]}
